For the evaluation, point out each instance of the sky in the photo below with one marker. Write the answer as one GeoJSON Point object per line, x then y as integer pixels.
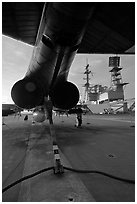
{"type": "Point", "coordinates": [16, 58]}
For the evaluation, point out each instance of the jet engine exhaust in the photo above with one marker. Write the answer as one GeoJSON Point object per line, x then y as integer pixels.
{"type": "Point", "coordinates": [26, 93]}
{"type": "Point", "coordinates": [65, 95]}
{"type": "Point", "coordinates": [60, 34]}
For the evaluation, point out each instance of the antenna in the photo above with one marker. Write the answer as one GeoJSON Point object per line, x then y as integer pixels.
{"type": "Point", "coordinates": [87, 84]}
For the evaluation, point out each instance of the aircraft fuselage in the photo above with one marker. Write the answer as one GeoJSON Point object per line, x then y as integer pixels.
{"type": "Point", "coordinates": [60, 33]}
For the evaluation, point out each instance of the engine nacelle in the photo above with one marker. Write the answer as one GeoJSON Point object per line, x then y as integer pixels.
{"type": "Point", "coordinates": [39, 116]}
{"type": "Point", "coordinates": [65, 95]}
{"type": "Point", "coordinates": [27, 94]}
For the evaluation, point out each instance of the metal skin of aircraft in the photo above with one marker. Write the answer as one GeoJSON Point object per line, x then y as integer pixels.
{"type": "Point", "coordinates": [61, 29]}
{"type": "Point", "coordinates": [57, 42]}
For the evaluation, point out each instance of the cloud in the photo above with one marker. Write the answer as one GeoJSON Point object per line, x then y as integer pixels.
{"type": "Point", "coordinates": [94, 62]}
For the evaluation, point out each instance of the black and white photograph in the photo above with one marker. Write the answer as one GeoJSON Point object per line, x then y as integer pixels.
{"type": "Point", "coordinates": [68, 101]}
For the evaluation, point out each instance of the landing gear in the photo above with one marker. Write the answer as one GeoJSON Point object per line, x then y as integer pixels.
{"type": "Point", "coordinates": [58, 167]}
{"type": "Point", "coordinates": [78, 120]}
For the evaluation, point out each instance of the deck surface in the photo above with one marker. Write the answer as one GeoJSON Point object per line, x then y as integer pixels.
{"type": "Point", "coordinates": [105, 143]}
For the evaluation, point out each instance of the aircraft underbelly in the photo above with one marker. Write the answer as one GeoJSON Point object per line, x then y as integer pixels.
{"type": "Point", "coordinates": [53, 56]}
{"type": "Point", "coordinates": [62, 31]}
{"type": "Point", "coordinates": [44, 65]}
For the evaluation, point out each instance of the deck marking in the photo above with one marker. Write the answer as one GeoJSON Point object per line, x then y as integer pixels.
{"type": "Point", "coordinates": [49, 187]}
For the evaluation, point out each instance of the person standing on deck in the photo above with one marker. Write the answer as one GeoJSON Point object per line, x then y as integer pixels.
{"type": "Point", "coordinates": [78, 117]}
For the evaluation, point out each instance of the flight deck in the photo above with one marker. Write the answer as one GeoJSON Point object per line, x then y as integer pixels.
{"type": "Point", "coordinates": [59, 160]}
{"type": "Point", "coordinates": [104, 143]}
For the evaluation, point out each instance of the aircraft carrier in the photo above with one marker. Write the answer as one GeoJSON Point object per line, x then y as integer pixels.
{"type": "Point", "coordinates": [104, 144]}
{"type": "Point", "coordinates": [57, 160]}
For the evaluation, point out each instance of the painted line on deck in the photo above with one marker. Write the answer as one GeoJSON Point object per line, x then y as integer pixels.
{"type": "Point", "coordinates": [49, 187]}
{"type": "Point", "coordinates": [26, 197]}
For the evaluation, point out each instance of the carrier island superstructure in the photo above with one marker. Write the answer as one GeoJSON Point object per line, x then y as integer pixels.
{"type": "Point", "coordinates": [111, 98]}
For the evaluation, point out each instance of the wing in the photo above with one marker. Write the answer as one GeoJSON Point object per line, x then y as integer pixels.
{"type": "Point", "coordinates": [110, 30]}
{"type": "Point", "coordinates": [21, 20]}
